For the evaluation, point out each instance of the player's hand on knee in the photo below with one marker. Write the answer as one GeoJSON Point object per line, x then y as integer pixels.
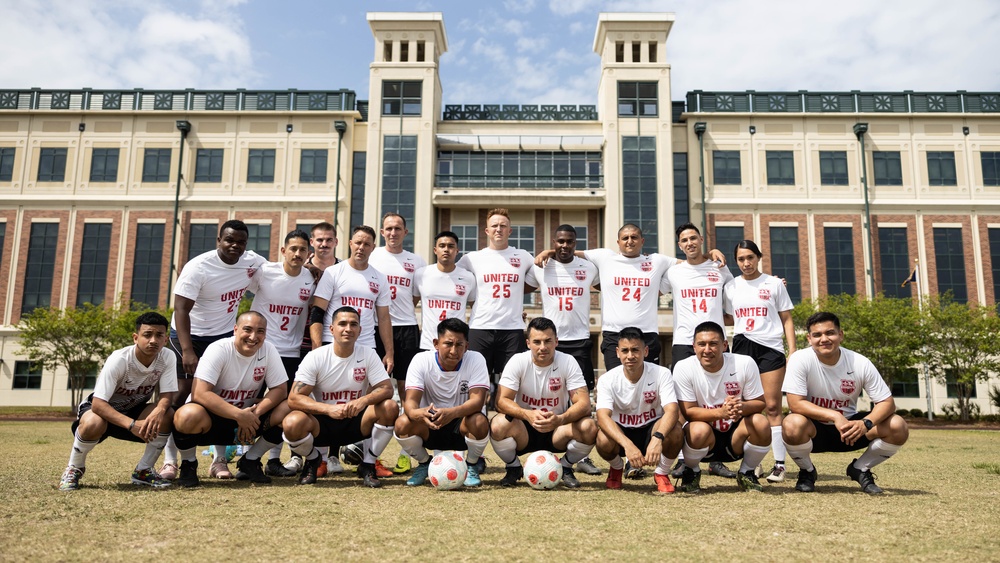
{"type": "Point", "coordinates": [653, 451]}
{"type": "Point", "coordinates": [634, 455]}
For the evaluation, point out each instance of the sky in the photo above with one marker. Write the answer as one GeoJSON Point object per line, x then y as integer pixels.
{"type": "Point", "coordinates": [504, 51]}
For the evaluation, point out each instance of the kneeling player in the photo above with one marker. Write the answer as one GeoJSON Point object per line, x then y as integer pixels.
{"type": "Point", "coordinates": [341, 395]}
{"type": "Point", "coordinates": [637, 413]}
{"type": "Point", "coordinates": [822, 384]}
{"type": "Point", "coordinates": [543, 404]}
{"type": "Point", "coordinates": [445, 394]}
{"type": "Point", "coordinates": [118, 408]}
{"type": "Point", "coordinates": [223, 407]}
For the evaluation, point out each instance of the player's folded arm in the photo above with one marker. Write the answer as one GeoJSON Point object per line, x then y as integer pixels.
{"type": "Point", "coordinates": [694, 413]}
{"type": "Point", "coordinates": [203, 393]}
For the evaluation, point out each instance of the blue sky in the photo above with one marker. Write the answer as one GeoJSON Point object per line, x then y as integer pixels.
{"type": "Point", "coordinates": [510, 51]}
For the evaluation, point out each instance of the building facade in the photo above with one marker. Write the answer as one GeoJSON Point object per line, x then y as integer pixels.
{"type": "Point", "coordinates": [106, 193]}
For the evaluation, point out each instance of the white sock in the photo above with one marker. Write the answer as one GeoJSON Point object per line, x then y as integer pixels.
{"type": "Point", "coordinates": [303, 447]}
{"type": "Point", "coordinates": [778, 446]}
{"type": "Point", "coordinates": [575, 451]}
{"type": "Point", "coordinates": [414, 445]}
{"type": "Point", "coordinates": [476, 449]}
{"type": "Point", "coordinates": [152, 452]}
{"type": "Point", "coordinates": [258, 449]}
{"type": "Point", "coordinates": [275, 452]}
{"type": "Point", "coordinates": [752, 456]}
{"type": "Point", "coordinates": [366, 448]}
{"type": "Point", "coordinates": [663, 468]}
{"type": "Point", "coordinates": [190, 454]}
{"type": "Point", "coordinates": [693, 457]}
{"type": "Point", "coordinates": [506, 450]}
{"type": "Point", "coordinates": [324, 451]}
{"type": "Point", "coordinates": [381, 436]}
{"type": "Point", "coordinates": [78, 455]}
{"type": "Point", "coordinates": [878, 451]}
{"type": "Point", "coordinates": [800, 454]}
{"type": "Point", "coordinates": [220, 454]}
{"type": "Point", "coordinates": [617, 463]}
{"type": "Point", "coordinates": [170, 451]}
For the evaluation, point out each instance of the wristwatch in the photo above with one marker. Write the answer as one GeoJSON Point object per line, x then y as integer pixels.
{"type": "Point", "coordinates": [658, 435]}
{"type": "Point", "coordinates": [868, 423]}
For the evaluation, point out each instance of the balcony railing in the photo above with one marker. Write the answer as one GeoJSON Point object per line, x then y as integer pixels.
{"type": "Point", "coordinates": [188, 100]}
{"type": "Point", "coordinates": [856, 101]}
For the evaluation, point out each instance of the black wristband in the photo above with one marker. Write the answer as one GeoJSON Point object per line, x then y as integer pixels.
{"type": "Point", "coordinates": [130, 426]}
{"type": "Point", "coordinates": [658, 435]}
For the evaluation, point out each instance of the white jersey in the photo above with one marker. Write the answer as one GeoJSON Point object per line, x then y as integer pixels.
{"type": "Point", "coordinates": [216, 289]}
{"type": "Point", "coordinates": [543, 388]}
{"type": "Point", "coordinates": [443, 295]}
{"type": "Point", "coordinates": [447, 388]}
{"type": "Point", "coordinates": [398, 270]}
{"type": "Point", "coordinates": [697, 294]}
{"type": "Point", "coordinates": [284, 302]}
{"type": "Point", "coordinates": [636, 404]}
{"type": "Point", "coordinates": [739, 377]}
{"type": "Point", "coordinates": [565, 290]}
{"type": "Point", "coordinates": [630, 288]}
{"type": "Point", "coordinates": [337, 380]}
{"type": "Point", "coordinates": [500, 287]}
{"type": "Point", "coordinates": [125, 383]}
{"type": "Point", "coordinates": [362, 290]}
{"type": "Point", "coordinates": [238, 378]}
{"type": "Point", "coordinates": [834, 387]}
{"type": "Point", "coordinates": [754, 305]}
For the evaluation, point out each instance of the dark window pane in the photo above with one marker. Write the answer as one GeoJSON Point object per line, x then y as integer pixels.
{"type": "Point", "coordinates": [146, 265]}
{"type": "Point", "coordinates": [52, 165]}
{"type": "Point", "coordinates": [991, 168]}
{"type": "Point", "coordinates": [949, 253]}
{"type": "Point", "coordinates": [639, 189]}
{"type": "Point", "coordinates": [888, 168]}
{"type": "Point", "coordinates": [260, 167]}
{"type": "Point", "coordinates": [202, 237]}
{"type": "Point", "coordinates": [839, 244]}
{"type": "Point", "coordinates": [208, 165]}
{"type": "Point", "coordinates": [726, 167]}
{"type": "Point", "coordinates": [27, 375]}
{"type": "Point", "coordinates": [260, 240]}
{"type": "Point", "coordinates": [786, 259]}
{"type": "Point", "coordinates": [7, 163]}
{"type": "Point", "coordinates": [994, 238]}
{"type": "Point", "coordinates": [638, 99]}
{"type": "Point", "coordinates": [906, 385]}
{"type": "Point", "coordinates": [402, 97]}
{"type": "Point", "coordinates": [39, 266]}
{"type": "Point", "coordinates": [780, 168]}
{"type": "Point", "coordinates": [833, 168]}
{"type": "Point", "coordinates": [726, 239]}
{"type": "Point", "coordinates": [93, 274]}
{"type": "Point", "coordinates": [894, 261]}
{"type": "Point", "coordinates": [156, 165]}
{"type": "Point", "coordinates": [941, 168]}
{"type": "Point", "coordinates": [313, 166]}
{"type": "Point", "coordinates": [104, 165]}
{"type": "Point", "coordinates": [682, 203]}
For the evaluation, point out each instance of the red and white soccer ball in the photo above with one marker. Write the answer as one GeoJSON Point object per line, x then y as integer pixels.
{"type": "Point", "coordinates": [447, 471]}
{"type": "Point", "coordinates": [542, 470]}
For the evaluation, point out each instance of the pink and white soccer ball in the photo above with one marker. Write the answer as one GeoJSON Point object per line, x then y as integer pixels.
{"type": "Point", "coordinates": [447, 471]}
{"type": "Point", "coordinates": [542, 470]}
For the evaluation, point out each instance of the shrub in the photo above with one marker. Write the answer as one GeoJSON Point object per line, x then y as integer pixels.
{"type": "Point", "coordinates": [917, 413]}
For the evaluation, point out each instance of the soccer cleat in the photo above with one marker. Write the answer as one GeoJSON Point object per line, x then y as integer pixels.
{"type": "Point", "coordinates": [678, 471]}
{"type": "Point", "coordinates": [220, 470]}
{"type": "Point", "coordinates": [274, 468]}
{"type": "Point", "coordinates": [402, 465]}
{"type": "Point", "coordinates": [587, 467]}
{"type": "Point", "coordinates": [663, 483]}
{"type": "Point", "coordinates": [634, 472]}
{"type": "Point", "coordinates": [310, 468]}
{"type": "Point", "coordinates": [70, 480]}
{"type": "Point", "coordinates": [614, 480]}
{"type": "Point", "coordinates": [806, 483]}
{"type": "Point", "coordinates": [747, 481]}
{"type": "Point", "coordinates": [168, 471]}
{"type": "Point", "coordinates": [251, 470]}
{"type": "Point", "coordinates": [513, 475]}
{"type": "Point", "coordinates": [481, 465]}
{"type": "Point", "coordinates": [472, 477]}
{"type": "Point", "coordinates": [322, 469]}
{"type": "Point", "coordinates": [188, 476]}
{"type": "Point", "coordinates": [333, 465]}
{"type": "Point", "coordinates": [381, 471]}
{"type": "Point", "coordinates": [690, 480]}
{"type": "Point", "coordinates": [419, 476]}
{"type": "Point", "coordinates": [777, 474]}
{"type": "Point", "coordinates": [864, 478]}
{"type": "Point", "coordinates": [149, 478]}
{"type": "Point", "coordinates": [369, 475]}
{"type": "Point", "coordinates": [569, 480]}
{"type": "Point", "coordinates": [719, 469]}
{"type": "Point", "coordinates": [759, 470]}
{"type": "Point", "coordinates": [294, 463]}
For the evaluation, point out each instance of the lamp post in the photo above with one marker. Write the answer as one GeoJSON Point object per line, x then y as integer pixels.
{"type": "Point", "coordinates": [184, 127]}
{"type": "Point", "coordinates": [699, 130]}
{"type": "Point", "coordinates": [859, 130]}
{"type": "Point", "coordinates": [341, 127]}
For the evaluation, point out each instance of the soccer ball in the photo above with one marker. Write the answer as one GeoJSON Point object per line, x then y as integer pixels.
{"type": "Point", "coordinates": [352, 454]}
{"type": "Point", "coordinates": [447, 471]}
{"type": "Point", "coordinates": [542, 470]}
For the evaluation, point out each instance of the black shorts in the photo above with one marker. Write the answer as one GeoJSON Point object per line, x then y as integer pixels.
{"type": "Point", "coordinates": [448, 437]}
{"type": "Point", "coordinates": [680, 352]}
{"type": "Point", "coordinates": [113, 430]}
{"type": "Point", "coordinates": [581, 352]}
{"type": "Point", "coordinates": [767, 359]}
{"type": "Point", "coordinates": [609, 341]}
{"type": "Point", "coordinates": [536, 440]}
{"type": "Point", "coordinates": [497, 346]}
{"type": "Point", "coordinates": [200, 343]}
{"type": "Point", "coordinates": [405, 345]}
{"type": "Point", "coordinates": [640, 436]}
{"type": "Point", "coordinates": [723, 448]}
{"type": "Point", "coordinates": [828, 437]}
{"type": "Point", "coordinates": [334, 432]}
{"type": "Point", "coordinates": [291, 365]}
{"type": "Point", "coordinates": [224, 431]}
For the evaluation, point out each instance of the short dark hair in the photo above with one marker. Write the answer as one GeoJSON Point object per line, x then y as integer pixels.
{"type": "Point", "coordinates": [364, 229]}
{"type": "Point", "coordinates": [234, 224]}
{"type": "Point", "coordinates": [710, 326]}
{"type": "Point", "coordinates": [252, 314]}
{"type": "Point", "coordinates": [628, 226]}
{"type": "Point", "coordinates": [566, 228]}
{"type": "Point", "coordinates": [685, 227]}
{"type": "Point", "coordinates": [297, 233]}
{"type": "Point", "coordinates": [747, 244]}
{"type": "Point", "coordinates": [323, 226]}
{"type": "Point", "coordinates": [346, 309]}
{"type": "Point", "coordinates": [448, 234]}
{"type": "Point", "coordinates": [631, 333]}
{"type": "Point", "coordinates": [457, 326]}
{"type": "Point", "coordinates": [542, 324]}
{"type": "Point", "coordinates": [151, 318]}
{"type": "Point", "coordinates": [393, 214]}
{"type": "Point", "coordinates": [822, 317]}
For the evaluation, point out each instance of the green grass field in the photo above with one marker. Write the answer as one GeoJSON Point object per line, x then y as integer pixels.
{"type": "Point", "coordinates": [942, 503]}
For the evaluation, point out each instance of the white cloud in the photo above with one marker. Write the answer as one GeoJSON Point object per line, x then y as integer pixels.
{"type": "Point", "coordinates": [570, 7]}
{"type": "Point", "coordinates": [531, 44]}
{"type": "Point", "coordinates": [519, 6]}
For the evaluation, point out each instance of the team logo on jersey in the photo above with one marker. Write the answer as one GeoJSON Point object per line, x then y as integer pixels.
{"type": "Point", "coordinates": [305, 293]}
{"type": "Point", "coordinates": [251, 272]}
{"type": "Point", "coordinates": [580, 275]}
{"type": "Point", "coordinates": [258, 373]}
{"type": "Point", "coordinates": [463, 387]}
{"type": "Point", "coordinates": [409, 267]}
{"type": "Point", "coordinates": [515, 261]}
{"type": "Point", "coordinates": [459, 289]}
{"type": "Point", "coordinates": [847, 386]}
{"type": "Point", "coordinates": [646, 266]}
{"type": "Point", "coordinates": [732, 388]}
{"type": "Point", "coordinates": [555, 384]}
{"type": "Point", "coordinates": [373, 287]}
{"type": "Point", "coordinates": [713, 276]}
{"type": "Point", "coordinates": [765, 294]}
{"type": "Point", "coordinates": [648, 397]}
{"type": "Point", "coordinates": [360, 374]}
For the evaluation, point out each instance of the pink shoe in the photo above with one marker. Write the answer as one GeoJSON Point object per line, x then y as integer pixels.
{"type": "Point", "coordinates": [168, 471]}
{"type": "Point", "coordinates": [219, 470]}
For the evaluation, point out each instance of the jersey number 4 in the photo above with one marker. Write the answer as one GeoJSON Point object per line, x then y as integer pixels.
{"type": "Point", "coordinates": [631, 295]}
{"type": "Point", "coordinates": [699, 305]}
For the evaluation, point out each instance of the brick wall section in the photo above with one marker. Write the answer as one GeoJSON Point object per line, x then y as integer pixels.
{"type": "Point", "coordinates": [113, 257]}
{"type": "Point", "coordinates": [185, 230]}
{"type": "Point", "coordinates": [988, 267]}
{"type": "Point", "coordinates": [593, 226]}
{"type": "Point", "coordinates": [911, 245]}
{"type": "Point", "coordinates": [859, 257]}
{"type": "Point", "coordinates": [277, 235]}
{"type": "Point", "coordinates": [747, 220]}
{"type": "Point", "coordinates": [6, 257]}
{"type": "Point", "coordinates": [482, 228]}
{"type": "Point", "coordinates": [540, 229]}
{"type": "Point", "coordinates": [971, 283]}
{"type": "Point", "coordinates": [805, 266]}
{"type": "Point", "coordinates": [129, 258]}
{"type": "Point", "coordinates": [25, 240]}
{"type": "Point", "coordinates": [444, 219]}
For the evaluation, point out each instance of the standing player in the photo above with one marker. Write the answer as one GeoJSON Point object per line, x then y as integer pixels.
{"type": "Point", "coordinates": [398, 265]}
{"type": "Point", "coordinates": [761, 309]}
{"type": "Point", "coordinates": [822, 385]}
{"type": "Point", "coordinates": [224, 406]}
{"type": "Point", "coordinates": [496, 323]}
{"type": "Point", "coordinates": [341, 395]}
{"type": "Point", "coordinates": [637, 413]}
{"type": "Point", "coordinates": [282, 291]}
{"type": "Point", "coordinates": [543, 404]}
{"type": "Point", "coordinates": [443, 288]}
{"type": "Point", "coordinates": [118, 406]}
{"type": "Point", "coordinates": [445, 393]}
{"type": "Point", "coordinates": [206, 300]}
{"type": "Point", "coordinates": [721, 397]}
